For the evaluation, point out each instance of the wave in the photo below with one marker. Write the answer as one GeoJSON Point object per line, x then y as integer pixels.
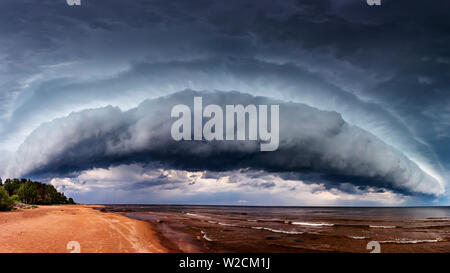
{"type": "Point", "coordinates": [205, 236]}
{"type": "Point", "coordinates": [312, 224]}
{"type": "Point", "coordinates": [373, 226]}
{"type": "Point", "coordinates": [358, 237]}
{"type": "Point", "coordinates": [226, 224]}
{"type": "Point", "coordinates": [195, 215]}
{"type": "Point", "coordinates": [402, 241]}
{"type": "Point", "coordinates": [352, 225]}
{"type": "Point", "coordinates": [278, 230]}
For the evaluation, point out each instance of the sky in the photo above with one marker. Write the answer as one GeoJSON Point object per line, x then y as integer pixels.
{"type": "Point", "coordinates": [86, 94]}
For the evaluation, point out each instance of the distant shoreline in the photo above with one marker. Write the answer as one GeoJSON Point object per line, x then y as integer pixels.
{"type": "Point", "coordinates": [264, 206]}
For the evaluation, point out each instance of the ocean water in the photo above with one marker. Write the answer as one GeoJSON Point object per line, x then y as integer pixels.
{"type": "Point", "coordinates": [295, 229]}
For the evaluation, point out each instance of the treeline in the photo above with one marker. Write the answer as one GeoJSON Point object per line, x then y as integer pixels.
{"type": "Point", "coordinates": [29, 192]}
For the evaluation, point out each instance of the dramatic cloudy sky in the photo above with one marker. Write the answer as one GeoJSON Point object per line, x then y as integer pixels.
{"type": "Point", "coordinates": [86, 93]}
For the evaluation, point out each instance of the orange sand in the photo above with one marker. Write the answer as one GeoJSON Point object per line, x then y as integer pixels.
{"type": "Point", "coordinates": [50, 228]}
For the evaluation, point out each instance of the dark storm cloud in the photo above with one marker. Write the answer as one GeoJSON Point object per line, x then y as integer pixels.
{"type": "Point", "coordinates": [319, 35]}
{"type": "Point", "coordinates": [385, 69]}
{"type": "Point", "coordinates": [286, 81]}
{"type": "Point", "coordinates": [310, 140]}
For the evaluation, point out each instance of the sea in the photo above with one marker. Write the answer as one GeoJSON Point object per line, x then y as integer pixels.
{"type": "Point", "coordinates": [249, 229]}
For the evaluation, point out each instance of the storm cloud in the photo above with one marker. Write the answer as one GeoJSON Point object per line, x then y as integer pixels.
{"type": "Point", "coordinates": [311, 140]}
{"type": "Point", "coordinates": [374, 74]}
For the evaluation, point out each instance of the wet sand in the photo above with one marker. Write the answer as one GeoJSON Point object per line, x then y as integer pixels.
{"type": "Point", "coordinates": [50, 228]}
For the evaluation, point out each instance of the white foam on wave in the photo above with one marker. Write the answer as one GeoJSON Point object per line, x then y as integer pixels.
{"type": "Point", "coordinates": [405, 241]}
{"type": "Point", "coordinates": [278, 230]}
{"type": "Point", "coordinates": [371, 226]}
{"type": "Point", "coordinates": [206, 237]}
{"type": "Point", "coordinates": [195, 215]}
{"type": "Point", "coordinates": [358, 237]}
{"type": "Point", "coordinates": [312, 224]}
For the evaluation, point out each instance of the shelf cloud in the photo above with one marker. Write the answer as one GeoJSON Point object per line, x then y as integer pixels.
{"type": "Point", "coordinates": [311, 141]}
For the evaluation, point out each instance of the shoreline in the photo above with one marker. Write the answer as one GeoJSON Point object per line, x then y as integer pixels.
{"type": "Point", "coordinates": [168, 229]}
{"type": "Point", "coordinates": [49, 229]}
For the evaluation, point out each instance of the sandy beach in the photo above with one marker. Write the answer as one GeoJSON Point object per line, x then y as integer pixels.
{"type": "Point", "coordinates": [50, 228]}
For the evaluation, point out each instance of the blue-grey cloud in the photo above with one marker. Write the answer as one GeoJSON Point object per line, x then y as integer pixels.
{"type": "Point", "coordinates": [310, 141]}
{"type": "Point", "coordinates": [385, 70]}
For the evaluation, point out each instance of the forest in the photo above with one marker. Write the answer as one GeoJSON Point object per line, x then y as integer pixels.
{"type": "Point", "coordinates": [14, 191]}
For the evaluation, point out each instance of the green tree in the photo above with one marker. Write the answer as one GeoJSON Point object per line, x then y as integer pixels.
{"type": "Point", "coordinates": [15, 185]}
{"type": "Point", "coordinates": [27, 192]}
{"type": "Point", "coordinates": [9, 186]}
{"type": "Point", "coordinates": [32, 192]}
{"type": "Point", "coordinates": [15, 198]}
{"type": "Point", "coordinates": [5, 202]}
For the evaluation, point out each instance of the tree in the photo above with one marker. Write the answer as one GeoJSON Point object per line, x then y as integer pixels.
{"type": "Point", "coordinates": [31, 192]}
{"type": "Point", "coordinates": [15, 198]}
{"type": "Point", "coordinates": [9, 186]}
{"type": "Point", "coordinates": [27, 192]}
{"type": "Point", "coordinates": [1, 182]}
{"type": "Point", "coordinates": [15, 185]}
{"type": "Point", "coordinates": [5, 202]}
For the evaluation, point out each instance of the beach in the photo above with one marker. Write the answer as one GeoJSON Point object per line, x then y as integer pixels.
{"type": "Point", "coordinates": [49, 229]}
